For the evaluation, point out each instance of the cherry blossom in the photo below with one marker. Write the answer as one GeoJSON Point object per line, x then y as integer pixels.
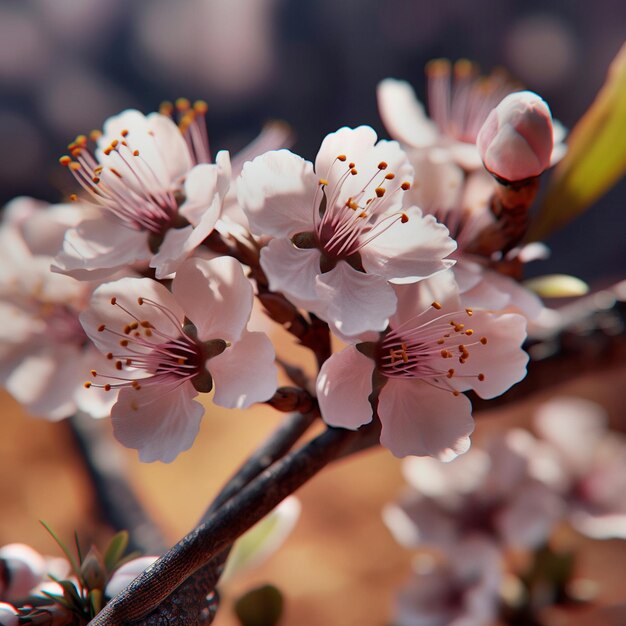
{"type": "Point", "coordinates": [488, 492]}
{"type": "Point", "coordinates": [123, 576]}
{"type": "Point", "coordinates": [158, 193]}
{"type": "Point", "coordinates": [459, 102]}
{"type": "Point", "coordinates": [419, 366]}
{"type": "Point", "coordinates": [461, 202]}
{"type": "Point", "coordinates": [340, 231]}
{"type": "Point", "coordinates": [168, 346]}
{"type": "Point", "coordinates": [588, 465]}
{"type": "Point", "coordinates": [44, 351]}
{"type": "Point", "coordinates": [462, 590]}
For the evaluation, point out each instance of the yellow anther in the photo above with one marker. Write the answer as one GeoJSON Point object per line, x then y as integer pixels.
{"type": "Point", "coordinates": [382, 165]}
{"type": "Point", "coordinates": [200, 107]}
{"type": "Point", "coordinates": [323, 182]}
{"type": "Point", "coordinates": [182, 104]}
{"type": "Point", "coordinates": [469, 331]}
{"type": "Point", "coordinates": [450, 373]}
{"type": "Point", "coordinates": [65, 160]}
{"type": "Point", "coordinates": [74, 166]}
{"type": "Point", "coordinates": [469, 311]}
{"type": "Point", "coordinates": [405, 186]}
{"type": "Point", "coordinates": [87, 384]}
{"type": "Point", "coordinates": [94, 373]}
{"type": "Point", "coordinates": [113, 300]}
{"type": "Point", "coordinates": [380, 191]}
{"type": "Point", "coordinates": [481, 377]}
{"type": "Point", "coordinates": [404, 218]}
{"type": "Point", "coordinates": [101, 328]}
{"type": "Point", "coordinates": [390, 176]}
{"type": "Point", "coordinates": [483, 340]}
{"type": "Point", "coordinates": [436, 305]}
{"type": "Point", "coordinates": [341, 157]}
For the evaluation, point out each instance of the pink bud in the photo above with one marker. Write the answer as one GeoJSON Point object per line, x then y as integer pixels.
{"type": "Point", "coordinates": [8, 615]}
{"type": "Point", "coordinates": [516, 140]}
{"type": "Point", "coordinates": [127, 573]}
{"type": "Point", "coordinates": [25, 568]}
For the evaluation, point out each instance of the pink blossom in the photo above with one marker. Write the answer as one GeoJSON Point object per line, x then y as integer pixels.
{"type": "Point", "coordinates": [461, 202]}
{"type": "Point", "coordinates": [158, 193]}
{"type": "Point", "coordinates": [44, 351]}
{"type": "Point", "coordinates": [490, 492]}
{"type": "Point", "coordinates": [340, 231]}
{"type": "Point", "coordinates": [24, 568]}
{"type": "Point", "coordinates": [517, 139]}
{"type": "Point", "coordinates": [168, 346]}
{"type": "Point", "coordinates": [419, 366]}
{"type": "Point", "coordinates": [589, 465]}
{"type": "Point", "coordinates": [8, 615]}
{"type": "Point", "coordinates": [462, 590]}
{"type": "Point", "coordinates": [459, 101]}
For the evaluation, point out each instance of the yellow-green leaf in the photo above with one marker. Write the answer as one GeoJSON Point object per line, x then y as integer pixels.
{"type": "Point", "coordinates": [596, 156]}
{"type": "Point", "coordinates": [557, 286]}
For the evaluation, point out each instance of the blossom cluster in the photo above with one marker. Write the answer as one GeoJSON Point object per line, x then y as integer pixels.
{"type": "Point", "coordinates": [469, 519]}
{"type": "Point", "coordinates": [158, 256]}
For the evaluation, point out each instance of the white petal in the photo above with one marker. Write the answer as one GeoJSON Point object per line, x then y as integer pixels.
{"type": "Point", "coordinates": [98, 248]}
{"type": "Point", "coordinates": [115, 318]}
{"type": "Point", "coordinates": [159, 422]}
{"type": "Point", "coordinates": [403, 115]}
{"type": "Point", "coordinates": [409, 251]}
{"type": "Point", "coordinates": [501, 360]}
{"type": "Point", "coordinates": [292, 271]}
{"type": "Point", "coordinates": [245, 372]}
{"type": "Point", "coordinates": [215, 295]}
{"type": "Point", "coordinates": [202, 184]}
{"type": "Point", "coordinates": [355, 301]}
{"type": "Point", "coordinates": [277, 191]}
{"type": "Point", "coordinates": [343, 387]}
{"type": "Point", "coordinates": [438, 182]}
{"type": "Point", "coordinates": [420, 419]}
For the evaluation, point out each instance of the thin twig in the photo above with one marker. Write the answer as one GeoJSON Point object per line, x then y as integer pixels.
{"type": "Point", "coordinates": [229, 522]}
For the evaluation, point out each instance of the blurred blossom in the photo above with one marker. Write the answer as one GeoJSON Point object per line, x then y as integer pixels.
{"type": "Point", "coordinates": [220, 44]}
{"type": "Point", "coordinates": [460, 591]}
{"type": "Point", "coordinates": [592, 464]}
{"type": "Point", "coordinates": [542, 50]}
{"type": "Point", "coordinates": [24, 48]}
{"type": "Point", "coordinates": [76, 96]}
{"type": "Point", "coordinates": [26, 148]}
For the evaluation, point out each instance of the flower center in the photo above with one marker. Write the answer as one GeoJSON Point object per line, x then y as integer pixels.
{"type": "Point", "coordinates": [426, 349]}
{"type": "Point", "coordinates": [343, 224]}
{"type": "Point", "coordinates": [147, 355]}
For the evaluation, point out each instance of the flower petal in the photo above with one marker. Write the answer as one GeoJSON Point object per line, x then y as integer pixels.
{"type": "Point", "coordinates": [343, 388]}
{"type": "Point", "coordinates": [403, 114]}
{"type": "Point", "coordinates": [215, 295]}
{"type": "Point", "coordinates": [98, 248]}
{"type": "Point", "coordinates": [411, 250]}
{"type": "Point", "coordinates": [159, 422]}
{"type": "Point", "coordinates": [277, 191]}
{"type": "Point", "coordinates": [355, 301]}
{"type": "Point", "coordinates": [423, 420]}
{"type": "Point", "coordinates": [245, 372]}
{"type": "Point", "coordinates": [115, 317]}
{"type": "Point", "coordinates": [292, 271]}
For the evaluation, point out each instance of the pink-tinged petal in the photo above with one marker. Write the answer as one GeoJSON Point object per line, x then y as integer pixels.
{"type": "Point", "coordinates": [274, 136]}
{"type": "Point", "coordinates": [45, 382]}
{"type": "Point", "coordinates": [25, 568]}
{"type": "Point", "coordinates": [501, 360]}
{"type": "Point", "coordinates": [358, 146]}
{"type": "Point", "coordinates": [171, 146]}
{"type": "Point", "coordinates": [215, 295]}
{"type": "Point", "coordinates": [98, 248]}
{"type": "Point", "coordinates": [8, 615]}
{"type": "Point", "coordinates": [438, 182]}
{"type": "Point", "coordinates": [519, 298]}
{"type": "Point", "coordinates": [423, 420]}
{"type": "Point", "coordinates": [127, 292]}
{"type": "Point", "coordinates": [409, 251]}
{"type": "Point", "coordinates": [93, 401]}
{"type": "Point", "coordinates": [202, 184]}
{"type": "Point", "coordinates": [343, 387]}
{"type": "Point", "coordinates": [530, 516]}
{"type": "Point", "coordinates": [403, 114]}
{"type": "Point", "coordinates": [277, 191]}
{"type": "Point", "coordinates": [158, 421]}
{"type": "Point", "coordinates": [245, 372]}
{"type": "Point", "coordinates": [355, 302]}
{"type": "Point", "coordinates": [417, 299]}
{"type": "Point", "coordinates": [292, 271]}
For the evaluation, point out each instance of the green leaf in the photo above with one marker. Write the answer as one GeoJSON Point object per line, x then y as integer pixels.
{"type": "Point", "coordinates": [596, 156]}
{"type": "Point", "coordinates": [557, 286]}
{"type": "Point", "coordinates": [95, 602]}
{"type": "Point", "coordinates": [64, 548]}
{"type": "Point", "coordinates": [115, 550]}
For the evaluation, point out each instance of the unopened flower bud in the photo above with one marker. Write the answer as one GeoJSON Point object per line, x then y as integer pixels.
{"type": "Point", "coordinates": [516, 140]}
{"type": "Point", "coordinates": [24, 569]}
{"type": "Point", "coordinates": [8, 615]}
{"type": "Point", "coordinates": [127, 573]}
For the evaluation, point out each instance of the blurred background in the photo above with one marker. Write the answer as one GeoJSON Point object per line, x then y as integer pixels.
{"type": "Point", "coordinates": [66, 65]}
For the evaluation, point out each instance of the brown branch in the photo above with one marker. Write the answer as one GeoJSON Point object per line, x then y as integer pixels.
{"type": "Point", "coordinates": [229, 522]}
